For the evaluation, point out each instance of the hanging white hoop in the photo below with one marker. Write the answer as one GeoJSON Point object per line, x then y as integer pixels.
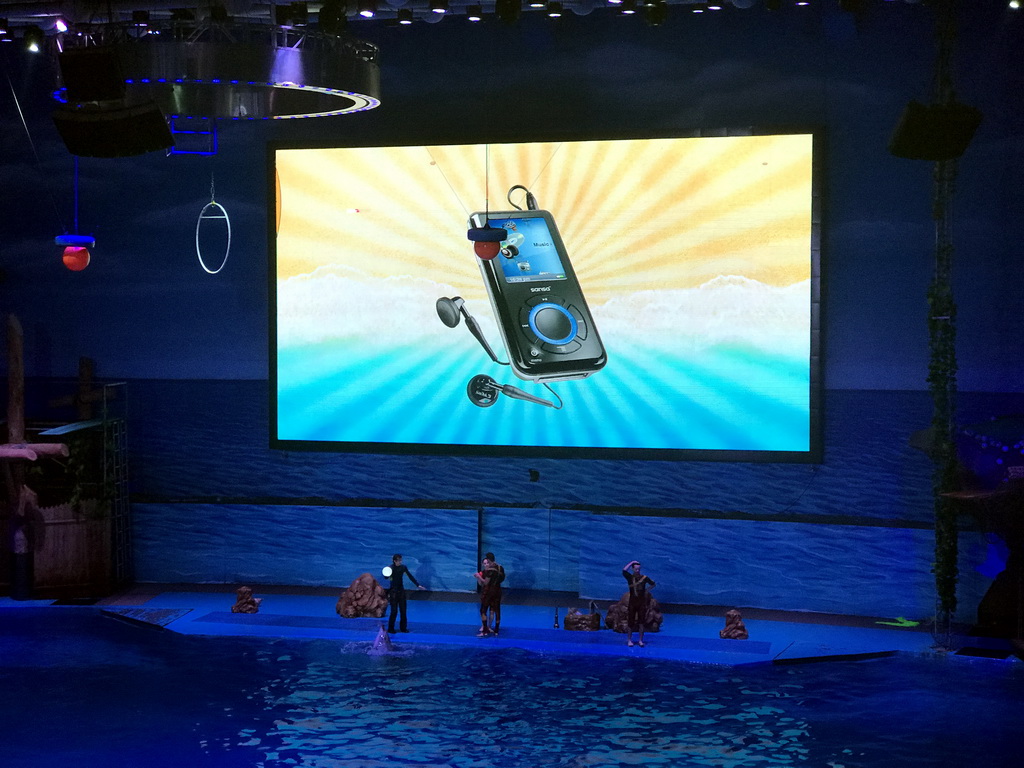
{"type": "Point", "coordinates": [199, 223]}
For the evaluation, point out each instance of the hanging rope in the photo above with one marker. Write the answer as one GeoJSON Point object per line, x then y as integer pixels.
{"type": "Point", "coordinates": [76, 194]}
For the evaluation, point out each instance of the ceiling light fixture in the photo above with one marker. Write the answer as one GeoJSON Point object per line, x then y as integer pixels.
{"type": "Point", "coordinates": [300, 14]}
{"type": "Point", "coordinates": [554, 10]}
{"type": "Point", "coordinates": [509, 11]}
{"type": "Point", "coordinates": [34, 38]}
{"type": "Point", "coordinates": [367, 8]}
{"type": "Point", "coordinates": [405, 16]}
{"type": "Point", "coordinates": [439, 6]}
{"type": "Point", "coordinates": [332, 18]}
{"type": "Point", "coordinates": [474, 13]}
{"type": "Point", "coordinates": [656, 12]}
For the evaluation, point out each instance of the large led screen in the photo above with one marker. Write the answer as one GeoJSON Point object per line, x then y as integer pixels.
{"type": "Point", "coordinates": [650, 298]}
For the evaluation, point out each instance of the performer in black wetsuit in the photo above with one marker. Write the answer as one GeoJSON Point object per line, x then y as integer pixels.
{"type": "Point", "coordinates": [396, 593]}
{"type": "Point", "coordinates": [637, 607]}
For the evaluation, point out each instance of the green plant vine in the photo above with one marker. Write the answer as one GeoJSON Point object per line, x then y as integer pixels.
{"type": "Point", "coordinates": [942, 369]}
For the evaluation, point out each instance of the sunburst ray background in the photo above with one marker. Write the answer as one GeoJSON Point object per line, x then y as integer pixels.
{"type": "Point", "coordinates": [694, 255]}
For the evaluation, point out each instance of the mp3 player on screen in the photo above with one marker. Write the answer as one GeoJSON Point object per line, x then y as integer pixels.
{"type": "Point", "coordinates": [542, 315]}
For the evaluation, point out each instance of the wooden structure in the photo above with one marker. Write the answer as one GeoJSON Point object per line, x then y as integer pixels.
{"type": "Point", "coordinates": [61, 543]}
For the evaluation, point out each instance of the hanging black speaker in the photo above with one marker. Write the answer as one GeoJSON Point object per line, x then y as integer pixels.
{"type": "Point", "coordinates": [91, 74]}
{"type": "Point", "coordinates": [934, 131]}
{"type": "Point", "coordinates": [113, 132]}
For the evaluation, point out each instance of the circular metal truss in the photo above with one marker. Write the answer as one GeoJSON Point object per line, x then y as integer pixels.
{"type": "Point", "coordinates": [240, 69]}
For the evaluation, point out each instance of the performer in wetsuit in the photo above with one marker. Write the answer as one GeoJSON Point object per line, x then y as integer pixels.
{"type": "Point", "coordinates": [490, 576]}
{"type": "Point", "coordinates": [396, 593]}
{"type": "Point", "coordinates": [636, 610]}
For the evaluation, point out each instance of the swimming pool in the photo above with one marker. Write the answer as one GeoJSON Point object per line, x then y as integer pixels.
{"type": "Point", "coordinates": [78, 688]}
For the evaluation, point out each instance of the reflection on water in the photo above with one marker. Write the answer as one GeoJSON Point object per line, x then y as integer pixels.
{"type": "Point", "coordinates": [82, 688]}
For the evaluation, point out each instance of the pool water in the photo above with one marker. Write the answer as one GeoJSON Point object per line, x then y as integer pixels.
{"type": "Point", "coordinates": [78, 688]}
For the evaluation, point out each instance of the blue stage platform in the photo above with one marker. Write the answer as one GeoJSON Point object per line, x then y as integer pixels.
{"type": "Point", "coordinates": [454, 621]}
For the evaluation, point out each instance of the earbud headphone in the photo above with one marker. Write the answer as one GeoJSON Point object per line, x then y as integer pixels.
{"type": "Point", "coordinates": [449, 311]}
{"type": "Point", "coordinates": [483, 390]}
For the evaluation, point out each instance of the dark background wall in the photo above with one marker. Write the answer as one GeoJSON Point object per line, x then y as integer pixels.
{"type": "Point", "coordinates": [213, 503]}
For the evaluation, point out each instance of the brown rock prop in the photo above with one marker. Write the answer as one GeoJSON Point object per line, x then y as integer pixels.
{"type": "Point", "coordinates": [583, 622]}
{"type": "Point", "coordinates": [246, 603]}
{"type": "Point", "coordinates": [364, 597]}
{"type": "Point", "coordinates": [735, 629]}
{"type": "Point", "coordinates": [618, 613]}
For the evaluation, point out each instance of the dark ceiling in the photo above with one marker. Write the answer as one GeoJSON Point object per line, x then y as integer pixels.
{"type": "Point", "coordinates": [337, 14]}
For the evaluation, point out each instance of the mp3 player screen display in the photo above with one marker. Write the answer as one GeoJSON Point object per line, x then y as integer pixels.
{"type": "Point", "coordinates": [654, 298]}
{"type": "Point", "coordinates": [529, 252]}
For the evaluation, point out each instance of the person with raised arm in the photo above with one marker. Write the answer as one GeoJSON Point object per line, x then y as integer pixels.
{"type": "Point", "coordinates": [396, 593]}
{"type": "Point", "coordinates": [636, 610]}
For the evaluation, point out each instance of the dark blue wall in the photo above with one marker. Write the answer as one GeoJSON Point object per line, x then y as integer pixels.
{"type": "Point", "coordinates": [851, 535]}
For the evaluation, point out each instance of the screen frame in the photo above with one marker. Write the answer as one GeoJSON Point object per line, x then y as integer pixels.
{"type": "Point", "coordinates": [815, 451]}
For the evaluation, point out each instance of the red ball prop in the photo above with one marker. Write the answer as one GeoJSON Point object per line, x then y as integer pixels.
{"type": "Point", "coordinates": [486, 250]}
{"type": "Point", "coordinates": [76, 258]}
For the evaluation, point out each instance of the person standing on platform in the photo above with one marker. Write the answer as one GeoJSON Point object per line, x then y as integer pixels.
{"type": "Point", "coordinates": [490, 576]}
{"type": "Point", "coordinates": [396, 593]}
{"type": "Point", "coordinates": [636, 610]}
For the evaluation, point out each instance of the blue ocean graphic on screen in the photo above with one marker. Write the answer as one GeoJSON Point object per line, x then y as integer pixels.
{"type": "Point", "coordinates": [723, 366]}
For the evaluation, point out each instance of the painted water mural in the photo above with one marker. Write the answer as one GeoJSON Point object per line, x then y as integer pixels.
{"type": "Point", "coordinates": [213, 503]}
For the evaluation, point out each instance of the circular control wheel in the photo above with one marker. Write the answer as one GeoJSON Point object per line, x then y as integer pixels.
{"type": "Point", "coordinates": [553, 323]}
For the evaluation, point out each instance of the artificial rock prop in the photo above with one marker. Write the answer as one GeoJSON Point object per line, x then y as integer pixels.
{"type": "Point", "coordinates": [364, 597]}
{"type": "Point", "coordinates": [735, 629]}
{"type": "Point", "coordinates": [618, 613]}
{"type": "Point", "coordinates": [583, 622]}
{"type": "Point", "coordinates": [246, 603]}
